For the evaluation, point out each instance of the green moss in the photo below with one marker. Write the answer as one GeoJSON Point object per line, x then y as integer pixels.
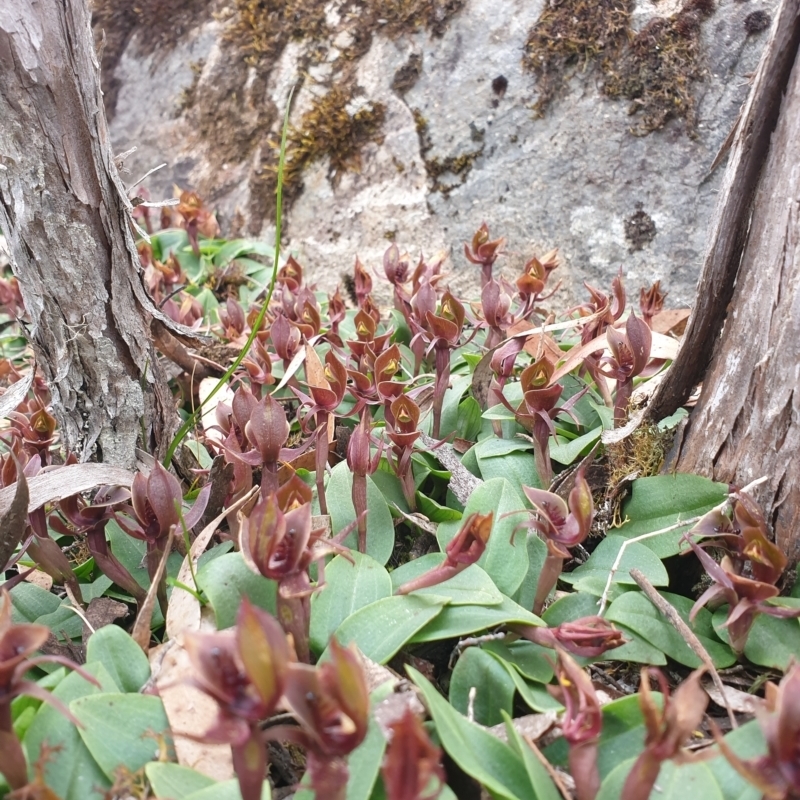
{"type": "Point", "coordinates": [569, 35]}
{"type": "Point", "coordinates": [654, 69]}
{"type": "Point", "coordinates": [657, 71]}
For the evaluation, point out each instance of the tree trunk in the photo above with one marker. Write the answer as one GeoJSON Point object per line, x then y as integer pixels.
{"type": "Point", "coordinates": [747, 421]}
{"type": "Point", "coordinates": [65, 213]}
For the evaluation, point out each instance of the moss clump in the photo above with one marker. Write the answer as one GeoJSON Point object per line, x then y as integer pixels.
{"type": "Point", "coordinates": [569, 34]}
{"type": "Point", "coordinates": [328, 129]}
{"type": "Point", "coordinates": [262, 28]}
{"type": "Point", "coordinates": [657, 71]}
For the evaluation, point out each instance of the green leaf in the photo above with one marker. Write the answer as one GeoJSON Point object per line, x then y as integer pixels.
{"type": "Point", "coordinates": [494, 687]}
{"type": "Point", "coordinates": [348, 587]}
{"type": "Point", "coordinates": [226, 790]}
{"type": "Point", "coordinates": [537, 774]}
{"type": "Point", "coordinates": [674, 782]}
{"type": "Point", "coordinates": [434, 511]}
{"type": "Point", "coordinates": [593, 575]}
{"type": "Point", "coordinates": [506, 562]}
{"type": "Point", "coordinates": [469, 419]}
{"type": "Point", "coordinates": [568, 451]}
{"type": "Point", "coordinates": [383, 627]}
{"type": "Point", "coordinates": [63, 622]}
{"type": "Point", "coordinates": [174, 782]}
{"type": "Point", "coordinates": [121, 729]}
{"type": "Point", "coordinates": [452, 400]}
{"type": "Point", "coordinates": [470, 587]}
{"type": "Point", "coordinates": [531, 660]}
{"type": "Point", "coordinates": [455, 621]}
{"type": "Point", "coordinates": [121, 656]}
{"type": "Point", "coordinates": [240, 247]}
{"type": "Point", "coordinates": [482, 756]}
{"type": "Point", "coordinates": [29, 602]}
{"type": "Point", "coordinates": [70, 771]}
{"type": "Point", "coordinates": [533, 693]}
{"type": "Point", "coordinates": [519, 468]}
{"type": "Point", "coordinates": [772, 642]}
{"type": "Point", "coordinates": [663, 500]}
{"type": "Point", "coordinates": [227, 579]}
{"type": "Point", "coordinates": [380, 528]}
{"type": "Point", "coordinates": [635, 611]}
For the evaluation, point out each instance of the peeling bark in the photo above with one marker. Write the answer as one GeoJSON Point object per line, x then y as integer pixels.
{"type": "Point", "coordinates": [747, 421]}
{"type": "Point", "coordinates": [65, 212]}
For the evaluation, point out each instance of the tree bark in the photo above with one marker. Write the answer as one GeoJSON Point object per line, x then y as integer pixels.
{"type": "Point", "coordinates": [747, 421]}
{"type": "Point", "coordinates": [65, 212]}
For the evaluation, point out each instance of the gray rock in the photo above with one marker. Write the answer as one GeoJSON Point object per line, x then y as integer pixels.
{"type": "Point", "coordinates": [576, 179]}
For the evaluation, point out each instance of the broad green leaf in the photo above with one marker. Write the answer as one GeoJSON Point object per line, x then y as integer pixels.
{"type": "Point", "coordinates": [568, 451]}
{"type": "Point", "coordinates": [519, 468]}
{"type": "Point", "coordinates": [29, 602]}
{"type": "Point", "coordinates": [70, 771]}
{"type": "Point", "coordinates": [663, 500]}
{"type": "Point", "coordinates": [122, 729]}
{"type": "Point", "coordinates": [174, 782]}
{"type": "Point", "coordinates": [480, 754]}
{"type": "Point", "coordinates": [234, 248]}
{"type": "Point", "coordinates": [452, 400]}
{"type": "Point", "coordinates": [455, 621]}
{"type": "Point", "coordinates": [348, 587]}
{"type": "Point", "coordinates": [497, 448]}
{"type": "Point", "coordinates": [227, 579]}
{"type": "Point", "coordinates": [592, 576]}
{"type": "Point", "coordinates": [121, 656]}
{"type": "Point", "coordinates": [434, 511]}
{"type": "Point", "coordinates": [533, 693]}
{"type": "Point", "coordinates": [226, 790]}
{"type": "Point", "coordinates": [469, 419]}
{"type": "Point", "coordinates": [673, 782]}
{"type": "Point", "coordinates": [64, 622]}
{"type": "Point", "coordinates": [470, 587]}
{"type": "Point", "coordinates": [532, 661]}
{"type": "Point", "coordinates": [635, 611]}
{"type": "Point", "coordinates": [505, 560]}
{"type": "Point", "coordinates": [383, 627]}
{"type": "Point", "coordinates": [494, 687]}
{"type": "Point", "coordinates": [772, 642]}
{"type": "Point", "coordinates": [380, 527]}
{"type": "Point", "coordinates": [537, 774]}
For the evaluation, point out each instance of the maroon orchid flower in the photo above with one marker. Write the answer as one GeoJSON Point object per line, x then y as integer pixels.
{"type": "Point", "coordinates": [651, 302]}
{"type": "Point", "coordinates": [667, 729]}
{"type": "Point", "coordinates": [402, 429]}
{"type": "Point", "coordinates": [630, 352]}
{"type": "Point", "coordinates": [562, 526]}
{"type": "Point", "coordinates": [483, 252]}
{"type": "Point", "coordinates": [777, 773]}
{"type": "Point", "coordinates": [588, 637]}
{"type": "Point", "coordinates": [155, 512]}
{"type": "Point", "coordinates": [465, 549]}
{"type": "Point", "coordinates": [245, 670]}
{"type": "Point", "coordinates": [361, 464]}
{"type": "Point", "coordinates": [331, 703]}
{"type": "Point", "coordinates": [412, 768]}
{"type": "Point", "coordinates": [581, 724]}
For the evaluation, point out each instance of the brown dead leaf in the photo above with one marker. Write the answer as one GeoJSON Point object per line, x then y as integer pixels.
{"type": "Point", "coordinates": [16, 393]}
{"type": "Point", "coordinates": [315, 371]}
{"type": "Point", "coordinates": [141, 628]}
{"type": "Point", "coordinates": [61, 482]}
{"type": "Point", "coordinates": [539, 345]}
{"type": "Point", "coordinates": [671, 320]}
{"type": "Point", "coordinates": [39, 578]}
